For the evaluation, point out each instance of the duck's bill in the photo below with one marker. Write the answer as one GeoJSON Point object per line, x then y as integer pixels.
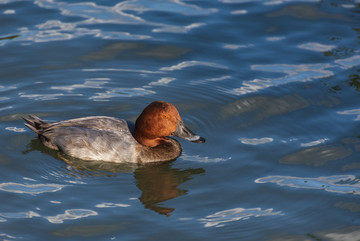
{"type": "Point", "coordinates": [185, 133]}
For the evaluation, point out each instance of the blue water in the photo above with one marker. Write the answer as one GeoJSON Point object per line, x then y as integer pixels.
{"type": "Point", "coordinates": [273, 86]}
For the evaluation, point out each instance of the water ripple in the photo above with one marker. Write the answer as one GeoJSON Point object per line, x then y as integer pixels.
{"type": "Point", "coordinates": [178, 29]}
{"type": "Point", "coordinates": [237, 46]}
{"type": "Point", "coordinates": [266, 140]}
{"type": "Point", "coordinates": [44, 97]}
{"type": "Point", "coordinates": [355, 112]}
{"type": "Point", "coordinates": [125, 13]}
{"type": "Point", "coordinates": [112, 205]}
{"type": "Point", "coordinates": [29, 214]}
{"type": "Point", "coordinates": [187, 64]}
{"type": "Point", "coordinates": [146, 89]}
{"type": "Point", "coordinates": [293, 73]}
{"type": "Point", "coordinates": [303, 11]}
{"type": "Point", "coordinates": [33, 189]}
{"type": "Point", "coordinates": [265, 106]}
{"type": "Point", "coordinates": [162, 81]}
{"type": "Point", "coordinates": [71, 214]}
{"type": "Point", "coordinates": [121, 92]}
{"type": "Point", "coordinates": [317, 156]}
{"type": "Point", "coordinates": [92, 12]}
{"type": "Point", "coordinates": [314, 143]}
{"type": "Point", "coordinates": [343, 184]}
{"type": "Point", "coordinates": [345, 235]}
{"type": "Point", "coordinates": [165, 6]}
{"type": "Point", "coordinates": [88, 84]}
{"type": "Point", "coordinates": [6, 88]}
{"type": "Point", "coordinates": [141, 71]}
{"type": "Point", "coordinates": [15, 129]}
{"type": "Point", "coordinates": [268, 2]}
{"type": "Point", "coordinates": [219, 219]}
{"type": "Point", "coordinates": [207, 80]}
{"type": "Point", "coordinates": [8, 236]}
{"type": "Point", "coordinates": [9, 11]}
{"type": "Point", "coordinates": [198, 158]}
{"type": "Point", "coordinates": [348, 63]}
{"type": "Point", "coordinates": [318, 47]}
{"type": "Point", "coordinates": [256, 141]}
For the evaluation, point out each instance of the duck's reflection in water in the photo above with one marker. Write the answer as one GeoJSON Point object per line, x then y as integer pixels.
{"type": "Point", "coordinates": [158, 182]}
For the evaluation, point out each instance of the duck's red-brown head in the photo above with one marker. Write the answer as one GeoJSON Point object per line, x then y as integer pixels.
{"type": "Point", "coordinates": [158, 120]}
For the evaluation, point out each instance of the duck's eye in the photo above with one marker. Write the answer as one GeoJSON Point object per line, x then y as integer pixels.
{"type": "Point", "coordinates": [165, 116]}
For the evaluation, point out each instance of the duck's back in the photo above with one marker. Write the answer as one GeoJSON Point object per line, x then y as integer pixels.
{"type": "Point", "coordinates": [89, 138]}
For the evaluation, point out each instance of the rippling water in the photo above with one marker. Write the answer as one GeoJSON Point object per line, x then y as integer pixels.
{"type": "Point", "coordinates": [272, 85]}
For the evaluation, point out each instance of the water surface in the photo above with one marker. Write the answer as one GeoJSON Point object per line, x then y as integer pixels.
{"type": "Point", "coordinates": [273, 86]}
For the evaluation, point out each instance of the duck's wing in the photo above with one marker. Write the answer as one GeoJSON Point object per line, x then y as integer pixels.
{"type": "Point", "coordinates": [100, 123]}
{"type": "Point", "coordinates": [89, 138]}
{"type": "Point", "coordinates": [89, 144]}
{"type": "Point", "coordinates": [94, 122]}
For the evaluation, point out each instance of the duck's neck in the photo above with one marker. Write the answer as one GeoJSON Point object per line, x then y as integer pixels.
{"type": "Point", "coordinates": [148, 141]}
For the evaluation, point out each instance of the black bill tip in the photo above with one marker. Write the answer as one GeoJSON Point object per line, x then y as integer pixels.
{"type": "Point", "coordinates": [199, 140]}
{"type": "Point", "coordinates": [185, 133]}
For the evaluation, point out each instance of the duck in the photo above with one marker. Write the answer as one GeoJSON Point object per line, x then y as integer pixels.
{"type": "Point", "coordinates": [110, 139]}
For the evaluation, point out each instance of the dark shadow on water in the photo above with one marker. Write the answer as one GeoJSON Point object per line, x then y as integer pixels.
{"type": "Point", "coordinates": [158, 182]}
{"type": "Point", "coordinates": [10, 37]}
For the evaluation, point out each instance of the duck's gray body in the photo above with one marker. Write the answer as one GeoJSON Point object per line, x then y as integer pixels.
{"type": "Point", "coordinates": [99, 138]}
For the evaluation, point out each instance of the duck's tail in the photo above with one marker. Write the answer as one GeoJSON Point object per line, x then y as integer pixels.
{"type": "Point", "coordinates": [34, 124]}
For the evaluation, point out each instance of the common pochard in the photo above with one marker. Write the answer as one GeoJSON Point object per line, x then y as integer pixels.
{"type": "Point", "coordinates": [116, 140]}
